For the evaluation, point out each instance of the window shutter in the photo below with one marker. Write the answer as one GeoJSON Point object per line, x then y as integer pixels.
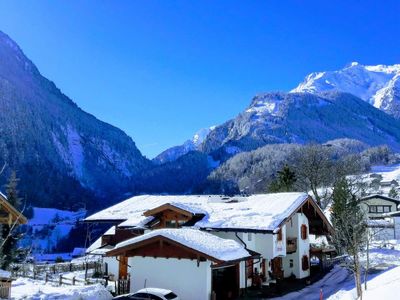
{"type": "Point", "coordinates": [304, 232]}
{"type": "Point", "coordinates": [304, 263]}
{"type": "Point", "coordinates": [280, 234]}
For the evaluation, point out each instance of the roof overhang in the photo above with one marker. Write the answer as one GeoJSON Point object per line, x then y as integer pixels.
{"type": "Point", "coordinates": [308, 206]}
{"type": "Point", "coordinates": [308, 203]}
{"type": "Point", "coordinates": [14, 216]}
{"type": "Point", "coordinates": [163, 247]}
{"type": "Point", "coordinates": [104, 221]}
{"type": "Point", "coordinates": [167, 206]}
{"type": "Point", "coordinates": [396, 201]}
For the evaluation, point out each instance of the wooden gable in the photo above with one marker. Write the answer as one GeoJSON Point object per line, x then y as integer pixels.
{"type": "Point", "coordinates": [318, 223]}
{"type": "Point", "coordinates": [9, 214]}
{"type": "Point", "coordinates": [168, 215]}
{"type": "Point", "coordinates": [120, 235]}
{"type": "Point", "coordinates": [160, 246]}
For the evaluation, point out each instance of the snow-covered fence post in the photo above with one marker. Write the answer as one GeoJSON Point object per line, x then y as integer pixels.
{"type": "Point", "coordinates": [46, 277]}
{"type": "Point", "coordinates": [73, 280]}
{"type": "Point", "coordinates": [70, 267]}
{"type": "Point", "coordinates": [60, 280]}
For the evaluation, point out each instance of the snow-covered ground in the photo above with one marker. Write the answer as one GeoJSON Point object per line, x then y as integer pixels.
{"type": "Point", "coordinates": [338, 284]}
{"type": "Point", "coordinates": [24, 288]}
{"type": "Point", "coordinates": [385, 286]}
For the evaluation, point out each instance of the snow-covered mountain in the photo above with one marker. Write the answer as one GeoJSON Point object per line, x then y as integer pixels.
{"type": "Point", "coordinates": [63, 155]}
{"type": "Point", "coordinates": [378, 85]}
{"type": "Point", "coordinates": [193, 144]}
{"type": "Point", "coordinates": [302, 118]}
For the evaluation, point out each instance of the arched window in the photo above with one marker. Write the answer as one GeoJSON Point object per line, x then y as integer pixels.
{"type": "Point", "coordinates": [304, 263]}
{"type": "Point", "coordinates": [304, 232]}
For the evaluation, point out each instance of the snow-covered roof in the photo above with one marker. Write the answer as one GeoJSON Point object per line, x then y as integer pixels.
{"type": "Point", "coordinates": [206, 243]}
{"type": "Point", "coordinates": [94, 246]}
{"type": "Point", "coordinates": [257, 212]}
{"type": "Point", "coordinates": [110, 231]}
{"type": "Point", "coordinates": [380, 223]}
{"type": "Point", "coordinates": [264, 212]}
{"type": "Point", "coordinates": [133, 208]}
{"type": "Point", "coordinates": [372, 196]}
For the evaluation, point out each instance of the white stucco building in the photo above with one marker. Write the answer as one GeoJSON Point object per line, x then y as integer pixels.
{"type": "Point", "coordinates": [209, 245]}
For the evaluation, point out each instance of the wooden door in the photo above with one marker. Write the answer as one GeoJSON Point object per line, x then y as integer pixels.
{"type": "Point", "coordinates": [123, 267]}
{"type": "Point", "coordinates": [276, 265]}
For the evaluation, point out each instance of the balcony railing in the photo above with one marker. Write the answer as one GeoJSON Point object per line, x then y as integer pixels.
{"type": "Point", "coordinates": [291, 245]}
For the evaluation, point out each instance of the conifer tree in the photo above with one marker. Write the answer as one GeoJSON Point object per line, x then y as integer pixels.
{"type": "Point", "coordinates": [9, 234]}
{"type": "Point", "coordinates": [393, 193]}
{"type": "Point", "coordinates": [350, 226]}
{"type": "Point", "coordinates": [286, 178]}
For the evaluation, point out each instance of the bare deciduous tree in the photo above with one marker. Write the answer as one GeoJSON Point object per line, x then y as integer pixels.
{"type": "Point", "coordinates": [314, 169]}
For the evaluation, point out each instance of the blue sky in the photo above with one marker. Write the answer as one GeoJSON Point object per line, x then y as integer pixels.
{"type": "Point", "coordinates": [160, 70]}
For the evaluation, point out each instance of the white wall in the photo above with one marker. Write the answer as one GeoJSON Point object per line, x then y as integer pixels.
{"type": "Point", "coordinates": [293, 229]}
{"type": "Point", "coordinates": [183, 276]}
{"type": "Point", "coordinates": [264, 243]}
{"type": "Point", "coordinates": [269, 246]}
{"type": "Point", "coordinates": [113, 266]}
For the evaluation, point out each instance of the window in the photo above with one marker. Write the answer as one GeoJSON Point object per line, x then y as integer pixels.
{"type": "Point", "coordinates": [380, 209]}
{"type": "Point", "coordinates": [170, 296]}
{"type": "Point", "coordinates": [145, 296]}
{"type": "Point", "coordinates": [170, 224]}
{"type": "Point", "coordinates": [304, 232]}
{"type": "Point", "coordinates": [304, 263]}
{"type": "Point", "coordinates": [291, 263]}
{"type": "Point", "coordinates": [280, 234]}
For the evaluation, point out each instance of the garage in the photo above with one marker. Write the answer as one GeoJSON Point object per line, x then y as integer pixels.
{"type": "Point", "coordinates": [225, 282]}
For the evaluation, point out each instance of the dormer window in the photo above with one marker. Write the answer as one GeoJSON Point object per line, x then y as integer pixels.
{"type": "Point", "coordinates": [170, 216]}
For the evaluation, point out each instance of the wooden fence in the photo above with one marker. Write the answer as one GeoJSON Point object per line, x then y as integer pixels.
{"type": "Point", "coordinates": [330, 262]}
{"type": "Point", "coordinates": [122, 286]}
{"type": "Point", "coordinates": [54, 272]}
{"type": "Point", "coordinates": [5, 289]}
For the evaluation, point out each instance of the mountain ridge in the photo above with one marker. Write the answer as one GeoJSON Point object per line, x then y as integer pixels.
{"type": "Point", "coordinates": [44, 133]}
{"type": "Point", "coordinates": [378, 85]}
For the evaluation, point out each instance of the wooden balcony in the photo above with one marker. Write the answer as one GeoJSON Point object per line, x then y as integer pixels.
{"type": "Point", "coordinates": [291, 245]}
